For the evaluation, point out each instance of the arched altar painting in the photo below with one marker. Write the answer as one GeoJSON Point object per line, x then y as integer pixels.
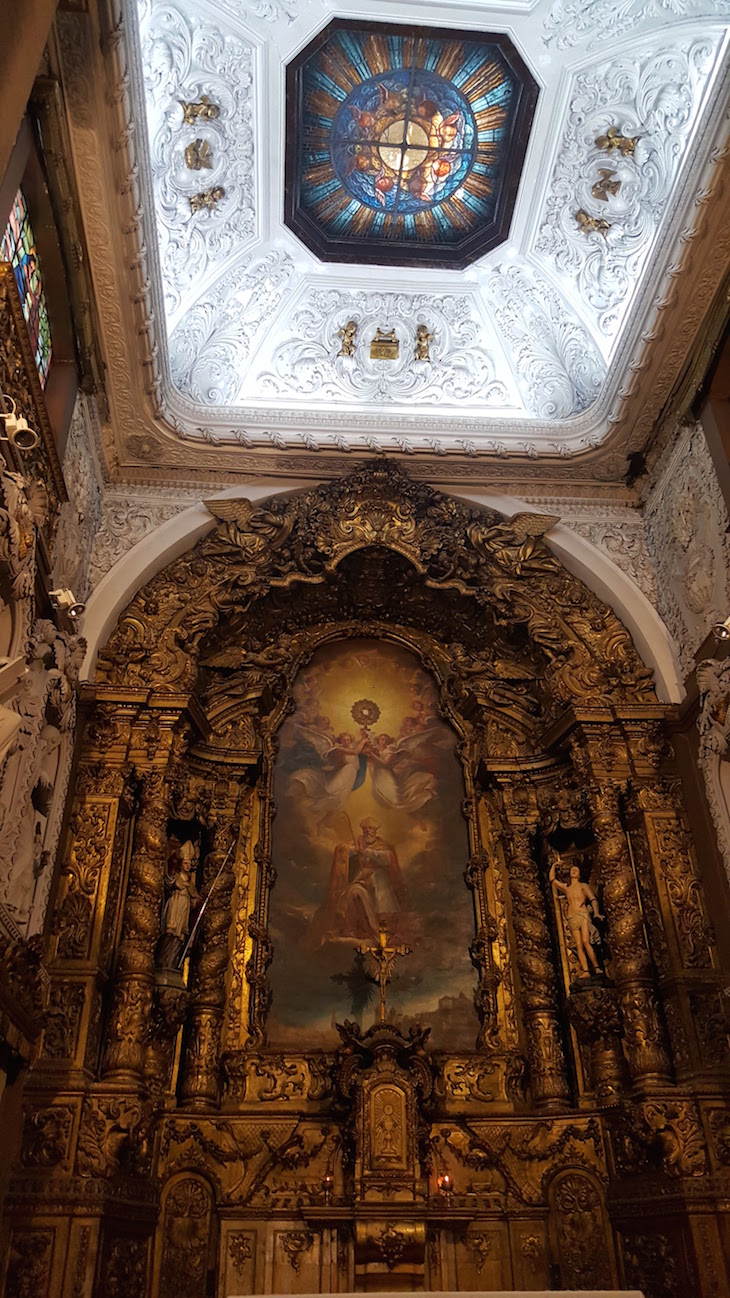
{"type": "Point", "coordinates": [369, 832]}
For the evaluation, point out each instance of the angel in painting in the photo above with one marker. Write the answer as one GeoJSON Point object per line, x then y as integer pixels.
{"type": "Point", "coordinates": [336, 768]}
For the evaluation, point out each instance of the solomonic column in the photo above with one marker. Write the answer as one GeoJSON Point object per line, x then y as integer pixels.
{"type": "Point", "coordinates": [536, 968]}
{"type": "Point", "coordinates": [201, 1065]}
{"type": "Point", "coordinates": [632, 965]}
{"type": "Point", "coordinates": [130, 1018]}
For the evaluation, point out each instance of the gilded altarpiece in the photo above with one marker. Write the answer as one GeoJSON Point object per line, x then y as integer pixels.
{"type": "Point", "coordinates": [367, 710]}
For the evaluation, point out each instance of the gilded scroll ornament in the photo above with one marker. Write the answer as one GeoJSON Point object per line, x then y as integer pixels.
{"type": "Point", "coordinates": [596, 1016]}
{"type": "Point", "coordinates": [240, 1250]}
{"type": "Point", "coordinates": [481, 1245]}
{"type": "Point", "coordinates": [63, 1016]}
{"type": "Point", "coordinates": [187, 1221]}
{"type": "Point", "coordinates": [393, 1243]}
{"type": "Point", "coordinates": [588, 652]}
{"type": "Point", "coordinates": [295, 1244]}
{"type": "Point", "coordinates": [46, 1135]}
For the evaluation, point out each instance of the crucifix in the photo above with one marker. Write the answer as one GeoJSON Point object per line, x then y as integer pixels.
{"type": "Point", "coordinates": [383, 958]}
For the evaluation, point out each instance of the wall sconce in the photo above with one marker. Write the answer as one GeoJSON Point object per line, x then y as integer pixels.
{"type": "Point", "coordinates": [328, 1181]}
{"type": "Point", "coordinates": [721, 630]}
{"type": "Point", "coordinates": [17, 430]}
{"type": "Point", "coordinates": [445, 1183]}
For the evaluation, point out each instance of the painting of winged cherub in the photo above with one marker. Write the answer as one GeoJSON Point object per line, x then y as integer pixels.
{"type": "Point", "coordinates": [369, 835]}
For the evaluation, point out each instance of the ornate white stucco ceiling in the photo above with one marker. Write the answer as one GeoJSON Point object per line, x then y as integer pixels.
{"type": "Point", "coordinates": [524, 340]}
{"type": "Point", "coordinates": [531, 342]}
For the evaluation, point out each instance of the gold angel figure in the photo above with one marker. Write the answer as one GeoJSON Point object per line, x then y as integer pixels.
{"type": "Point", "coordinates": [209, 198]}
{"type": "Point", "coordinates": [198, 155]}
{"type": "Point", "coordinates": [423, 339]}
{"type": "Point", "coordinates": [614, 140]}
{"type": "Point", "coordinates": [203, 108]}
{"type": "Point", "coordinates": [347, 333]}
{"type": "Point", "coordinates": [590, 224]}
{"type": "Point", "coordinates": [605, 185]}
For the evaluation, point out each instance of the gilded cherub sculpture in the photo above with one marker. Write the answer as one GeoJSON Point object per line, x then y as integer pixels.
{"type": "Point", "coordinates": [592, 224]}
{"type": "Point", "coordinates": [198, 155]}
{"type": "Point", "coordinates": [615, 140]}
{"type": "Point", "coordinates": [209, 198]}
{"type": "Point", "coordinates": [347, 334]}
{"type": "Point", "coordinates": [423, 341]}
{"type": "Point", "coordinates": [203, 108]}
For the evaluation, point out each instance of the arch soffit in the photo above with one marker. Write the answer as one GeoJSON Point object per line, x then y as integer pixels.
{"type": "Point", "coordinates": [574, 554]}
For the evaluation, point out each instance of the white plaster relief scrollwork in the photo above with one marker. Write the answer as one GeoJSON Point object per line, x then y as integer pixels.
{"type": "Point", "coordinates": [557, 364]}
{"type": "Point", "coordinates": [461, 367]}
{"type": "Point", "coordinates": [624, 543]}
{"type": "Point", "coordinates": [571, 22]}
{"type": "Point", "coordinates": [125, 520]}
{"type": "Point", "coordinates": [657, 99]}
{"type": "Point", "coordinates": [686, 531]}
{"type": "Point", "coordinates": [183, 59]}
{"type": "Point", "coordinates": [80, 514]}
{"type": "Point", "coordinates": [269, 11]}
{"type": "Point", "coordinates": [713, 723]}
{"type": "Point", "coordinates": [214, 340]}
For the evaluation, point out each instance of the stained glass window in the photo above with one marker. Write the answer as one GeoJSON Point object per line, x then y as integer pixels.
{"type": "Point", "coordinates": [18, 247]}
{"type": "Point", "coordinates": [405, 144]}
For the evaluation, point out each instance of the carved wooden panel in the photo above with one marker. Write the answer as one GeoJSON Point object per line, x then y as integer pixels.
{"type": "Point", "coordinates": [295, 1254]}
{"type": "Point", "coordinates": [237, 1264]}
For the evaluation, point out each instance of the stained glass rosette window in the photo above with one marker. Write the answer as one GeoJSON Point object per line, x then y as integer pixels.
{"type": "Point", "coordinates": [18, 247]}
{"type": "Point", "coordinates": [405, 141]}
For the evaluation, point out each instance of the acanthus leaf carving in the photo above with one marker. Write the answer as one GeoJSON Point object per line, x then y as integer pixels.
{"type": "Point", "coordinates": [184, 57]}
{"type": "Point", "coordinates": [462, 365]}
{"type": "Point", "coordinates": [654, 98]}
{"type": "Point", "coordinates": [558, 366]}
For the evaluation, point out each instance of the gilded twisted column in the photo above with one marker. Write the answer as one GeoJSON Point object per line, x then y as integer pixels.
{"type": "Point", "coordinates": [536, 968]}
{"type": "Point", "coordinates": [201, 1065]}
{"type": "Point", "coordinates": [631, 961]}
{"type": "Point", "coordinates": [132, 999]}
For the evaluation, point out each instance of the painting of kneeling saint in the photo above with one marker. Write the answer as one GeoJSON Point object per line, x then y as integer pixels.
{"type": "Point", "coordinates": [369, 835]}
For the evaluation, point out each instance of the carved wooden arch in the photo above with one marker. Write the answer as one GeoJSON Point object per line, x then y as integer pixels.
{"type": "Point", "coordinates": [502, 571]}
{"type": "Point", "coordinates": [505, 566]}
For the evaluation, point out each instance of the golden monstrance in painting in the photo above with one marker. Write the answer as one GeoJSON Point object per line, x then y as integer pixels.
{"type": "Point", "coordinates": [369, 834]}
